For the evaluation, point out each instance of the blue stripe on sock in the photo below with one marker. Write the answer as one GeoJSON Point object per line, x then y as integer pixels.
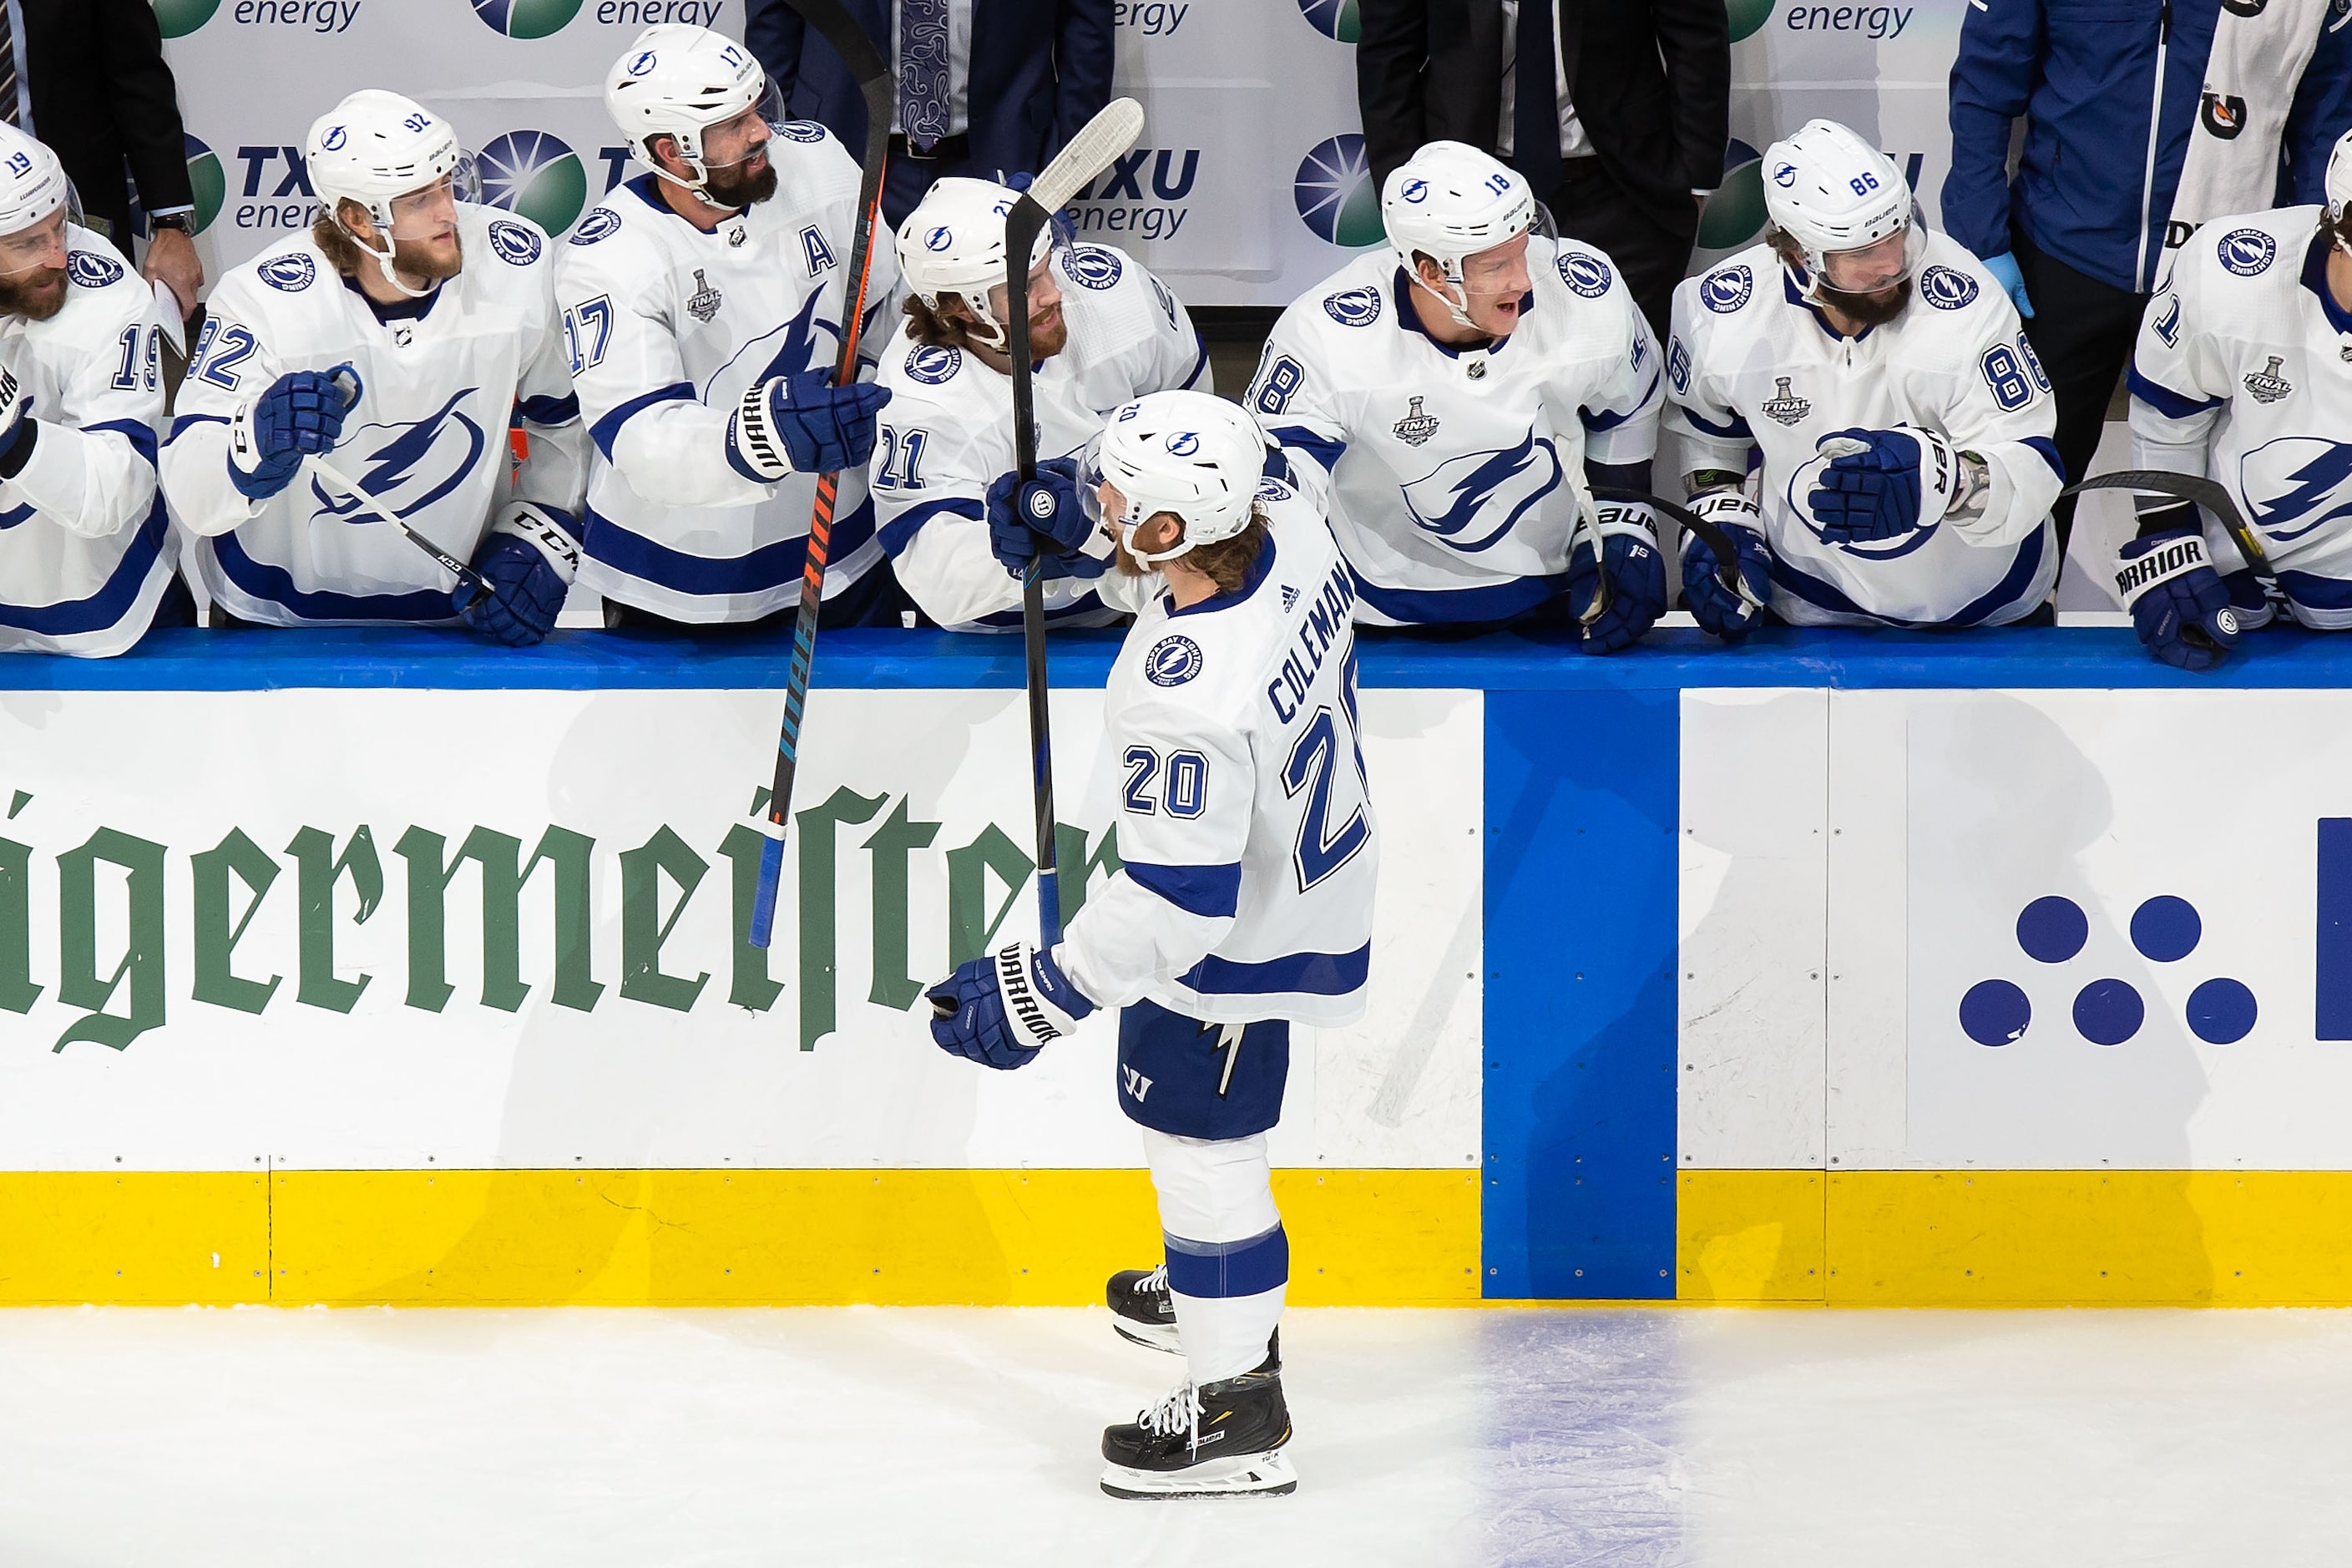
{"type": "Point", "coordinates": [1221, 1270]}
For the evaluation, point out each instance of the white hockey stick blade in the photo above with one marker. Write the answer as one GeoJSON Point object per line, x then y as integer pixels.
{"type": "Point", "coordinates": [1088, 153]}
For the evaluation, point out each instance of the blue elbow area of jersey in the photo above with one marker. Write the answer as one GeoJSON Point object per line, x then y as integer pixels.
{"type": "Point", "coordinates": [1618, 476]}
{"type": "Point", "coordinates": [2049, 450]}
{"type": "Point", "coordinates": [900, 531]}
{"type": "Point", "coordinates": [1600, 420]}
{"type": "Point", "coordinates": [607, 430]}
{"type": "Point", "coordinates": [185, 422]}
{"type": "Point", "coordinates": [138, 432]}
{"type": "Point", "coordinates": [550, 411]}
{"type": "Point", "coordinates": [1299, 439]}
{"type": "Point", "coordinates": [1214, 892]}
{"type": "Point", "coordinates": [1737, 431]}
{"type": "Point", "coordinates": [2163, 399]}
{"type": "Point", "coordinates": [1222, 1270]}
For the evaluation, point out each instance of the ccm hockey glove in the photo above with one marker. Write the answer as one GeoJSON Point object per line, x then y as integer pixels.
{"type": "Point", "coordinates": [1001, 1008]}
{"type": "Point", "coordinates": [528, 561]}
{"type": "Point", "coordinates": [2179, 604]}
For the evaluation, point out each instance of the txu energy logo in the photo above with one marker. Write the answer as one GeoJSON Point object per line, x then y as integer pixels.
{"type": "Point", "coordinates": [206, 179]}
{"type": "Point", "coordinates": [178, 18]}
{"type": "Point", "coordinates": [1335, 192]}
{"type": "Point", "coordinates": [1335, 20]}
{"type": "Point", "coordinates": [526, 18]}
{"type": "Point", "coordinates": [2107, 1011]}
{"type": "Point", "coordinates": [533, 174]}
{"type": "Point", "coordinates": [1143, 192]}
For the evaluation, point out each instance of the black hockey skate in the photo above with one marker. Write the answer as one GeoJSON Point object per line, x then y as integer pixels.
{"type": "Point", "coordinates": [1142, 1310]}
{"type": "Point", "coordinates": [1222, 1439]}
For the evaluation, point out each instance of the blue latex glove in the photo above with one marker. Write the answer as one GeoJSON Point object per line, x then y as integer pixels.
{"type": "Point", "coordinates": [527, 580]}
{"type": "Point", "coordinates": [1047, 512]}
{"type": "Point", "coordinates": [2179, 604]}
{"type": "Point", "coordinates": [302, 413]}
{"type": "Point", "coordinates": [999, 1009]}
{"type": "Point", "coordinates": [824, 428]}
{"type": "Point", "coordinates": [1637, 581]}
{"type": "Point", "coordinates": [2003, 269]}
{"type": "Point", "coordinates": [1725, 615]}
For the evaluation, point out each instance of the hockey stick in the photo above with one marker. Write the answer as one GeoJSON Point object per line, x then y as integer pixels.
{"type": "Point", "coordinates": [2205, 493]}
{"type": "Point", "coordinates": [1087, 153]}
{"type": "Point", "coordinates": [1718, 545]}
{"type": "Point", "coordinates": [837, 27]}
{"type": "Point", "coordinates": [342, 482]}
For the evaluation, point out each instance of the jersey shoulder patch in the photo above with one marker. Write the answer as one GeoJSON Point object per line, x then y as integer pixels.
{"type": "Point", "coordinates": [1947, 288]}
{"type": "Point", "coordinates": [288, 274]}
{"type": "Point", "coordinates": [1727, 288]}
{"type": "Point", "coordinates": [517, 244]}
{"type": "Point", "coordinates": [932, 364]}
{"type": "Point", "coordinates": [88, 270]}
{"type": "Point", "coordinates": [2247, 252]}
{"type": "Point", "coordinates": [602, 222]}
{"type": "Point", "coordinates": [1353, 307]}
{"type": "Point", "coordinates": [801, 130]}
{"type": "Point", "coordinates": [1095, 266]}
{"type": "Point", "coordinates": [1584, 273]}
{"type": "Point", "coordinates": [1172, 661]}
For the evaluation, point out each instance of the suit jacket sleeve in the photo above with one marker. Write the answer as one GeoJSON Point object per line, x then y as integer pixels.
{"type": "Point", "coordinates": [1694, 41]}
{"type": "Point", "coordinates": [1083, 57]}
{"type": "Point", "coordinates": [1993, 76]}
{"type": "Point", "coordinates": [146, 102]}
{"type": "Point", "coordinates": [2322, 112]}
{"type": "Point", "coordinates": [773, 31]}
{"type": "Point", "coordinates": [1391, 60]}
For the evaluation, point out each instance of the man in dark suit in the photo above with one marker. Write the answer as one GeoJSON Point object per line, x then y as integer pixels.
{"type": "Point", "coordinates": [990, 88]}
{"type": "Point", "coordinates": [1617, 112]}
{"type": "Point", "coordinates": [87, 78]}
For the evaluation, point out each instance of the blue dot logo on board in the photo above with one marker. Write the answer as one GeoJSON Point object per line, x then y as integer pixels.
{"type": "Point", "coordinates": [2108, 1011]}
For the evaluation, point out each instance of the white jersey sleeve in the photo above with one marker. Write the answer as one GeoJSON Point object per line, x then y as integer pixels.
{"type": "Point", "coordinates": [1621, 415]}
{"type": "Point", "coordinates": [2004, 413]}
{"type": "Point", "coordinates": [1291, 396]}
{"type": "Point", "coordinates": [92, 469]}
{"type": "Point", "coordinates": [2182, 372]}
{"type": "Point", "coordinates": [554, 471]}
{"type": "Point", "coordinates": [232, 362]}
{"type": "Point", "coordinates": [1699, 406]}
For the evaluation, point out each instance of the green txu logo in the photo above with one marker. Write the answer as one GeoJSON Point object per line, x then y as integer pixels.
{"type": "Point", "coordinates": [178, 18]}
{"type": "Point", "coordinates": [206, 179]}
{"type": "Point", "coordinates": [526, 18]}
{"type": "Point", "coordinates": [537, 175]}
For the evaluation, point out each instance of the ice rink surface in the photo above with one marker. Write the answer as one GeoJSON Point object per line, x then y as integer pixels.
{"type": "Point", "coordinates": [946, 1436]}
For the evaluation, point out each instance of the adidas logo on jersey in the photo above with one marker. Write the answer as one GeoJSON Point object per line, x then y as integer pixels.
{"type": "Point", "coordinates": [1784, 406]}
{"type": "Point", "coordinates": [2266, 384]}
{"type": "Point", "coordinates": [1416, 427]}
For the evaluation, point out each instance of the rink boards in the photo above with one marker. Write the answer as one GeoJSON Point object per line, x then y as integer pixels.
{"type": "Point", "coordinates": [378, 967]}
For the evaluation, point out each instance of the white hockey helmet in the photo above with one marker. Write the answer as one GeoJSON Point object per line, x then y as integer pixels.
{"type": "Point", "coordinates": [1189, 453]}
{"type": "Point", "coordinates": [1834, 194]}
{"type": "Point", "coordinates": [953, 243]}
{"type": "Point", "coordinates": [1450, 201]}
{"type": "Point", "coordinates": [2339, 190]}
{"type": "Point", "coordinates": [32, 183]}
{"type": "Point", "coordinates": [375, 147]}
{"type": "Point", "coordinates": [678, 80]}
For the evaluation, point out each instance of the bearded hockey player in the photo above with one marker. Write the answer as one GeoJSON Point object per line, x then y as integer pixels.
{"type": "Point", "coordinates": [2243, 374]}
{"type": "Point", "coordinates": [1453, 395]}
{"type": "Point", "coordinates": [1245, 906]}
{"type": "Point", "coordinates": [85, 556]}
{"type": "Point", "coordinates": [1102, 331]}
{"type": "Point", "coordinates": [395, 339]}
{"type": "Point", "coordinates": [1903, 421]}
{"type": "Point", "coordinates": [706, 303]}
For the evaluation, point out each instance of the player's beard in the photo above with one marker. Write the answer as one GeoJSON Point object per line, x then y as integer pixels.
{"type": "Point", "coordinates": [37, 295]}
{"type": "Point", "coordinates": [1870, 309]}
{"type": "Point", "coordinates": [1127, 564]}
{"type": "Point", "coordinates": [1048, 339]}
{"type": "Point", "coordinates": [732, 187]}
{"type": "Point", "coordinates": [428, 263]}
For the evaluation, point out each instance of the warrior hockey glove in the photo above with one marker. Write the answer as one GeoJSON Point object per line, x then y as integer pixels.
{"type": "Point", "coordinates": [302, 413]}
{"type": "Point", "coordinates": [1882, 483]}
{"type": "Point", "coordinates": [1637, 576]}
{"type": "Point", "coordinates": [528, 561]}
{"type": "Point", "coordinates": [999, 1009]}
{"type": "Point", "coordinates": [1047, 515]}
{"type": "Point", "coordinates": [1715, 608]}
{"type": "Point", "coordinates": [803, 424]}
{"type": "Point", "coordinates": [2179, 604]}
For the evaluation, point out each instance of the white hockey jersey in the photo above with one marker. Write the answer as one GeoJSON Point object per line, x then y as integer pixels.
{"type": "Point", "coordinates": [1454, 475]}
{"type": "Point", "coordinates": [669, 326]}
{"type": "Point", "coordinates": [1244, 819]}
{"type": "Point", "coordinates": [948, 434]}
{"type": "Point", "coordinates": [2243, 373]}
{"type": "Point", "coordinates": [1751, 365]}
{"type": "Point", "coordinates": [85, 552]}
{"type": "Point", "coordinates": [441, 381]}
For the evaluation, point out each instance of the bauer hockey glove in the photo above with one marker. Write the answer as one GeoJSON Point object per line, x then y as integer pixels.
{"type": "Point", "coordinates": [803, 424]}
{"type": "Point", "coordinates": [1000, 1009]}
{"type": "Point", "coordinates": [528, 561]}
{"type": "Point", "coordinates": [1047, 515]}
{"type": "Point", "coordinates": [1881, 483]}
{"type": "Point", "coordinates": [299, 414]}
{"type": "Point", "coordinates": [2179, 604]}
{"type": "Point", "coordinates": [1637, 576]}
{"type": "Point", "coordinates": [1716, 608]}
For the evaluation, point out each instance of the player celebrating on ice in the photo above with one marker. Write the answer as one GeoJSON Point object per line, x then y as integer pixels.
{"type": "Point", "coordinates": [2243, 373]}
{"type": "Point", "coordinates": [394, 341]}
{"type": "Point", "coordinates": [1245, 906]}
{"type": "Point", "coordinates": [1455, 395]}
{"type": "Point", "coordinates": [706, 303]}
{"type": "Point", "coordinates": [85, 557]}
{"type": "Point", "coordinates": [1904, 422]}
{"type": "Point", "coordinates": [1101, 330]}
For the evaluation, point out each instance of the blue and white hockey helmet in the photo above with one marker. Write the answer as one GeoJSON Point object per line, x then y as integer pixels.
{"type": "Point", "coordinates": [1450, 201]}
{"type": "Point", "coordinates": [374, 149]}
{"type": "Point", "coordinates": [1841, 201]}
{"type": "Point", "coordinates": [32, 183]}
{"type": "Point", "coordinates": [953, 243]}
{"type": "Point", "coordinates": [1188, 453]}
{"type": "Point", "coordinates": [682, 81]}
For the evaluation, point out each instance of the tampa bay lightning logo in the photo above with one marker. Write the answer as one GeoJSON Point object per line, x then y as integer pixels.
{"type": "Point", "coordinates": [1183, 444]}
{"type": "Point", "coordinates": [939, 238]}
{"type": "Point", "coordinates": [800, 130]}
{"type": "Point", "coordinates": [1472, 501]}
{"type": "Point", "coordinates": [408, 466]}
{"type": "Point", "coordinates": [2295, 484]}
{"type": "Point", "coordinates": [334, 139]}
{"type": "Point", "coordinates": [1355, 308]}
{"type": "Point", "coordinates": [933, 365]}
{"type": "Point", "coordinates": [602, 223]}
{"type": "Point", "coordinates": [1093, 267]}
{"type": "Point", "coordinates": [1415, 191]}
{"type": "Point", "coordinates": [1947, 288]}
{"type": "Point", "coordinates": [1172, 661]}
{"type": "Point", "coordinates": [1784, 173]}
{"type": "Point", "coordinates": [1727, 288]}
{"type": "Point", "coordinates": [291, 274]}
{"type": "Point", "coordinates": [1587, 275]}
{"type": "Point", "coordinates": [90, 270]}
{"type": "Point", "coordinates": [2248, 252]}
{"type": "Point", "coordinates": [804, 343]}
{"type": "Point", "coordinates": [643, 62]}
{"type": "Point", "coordinates": [516, 245]}
{"type": "Point", "coordinates": [1806, 479]}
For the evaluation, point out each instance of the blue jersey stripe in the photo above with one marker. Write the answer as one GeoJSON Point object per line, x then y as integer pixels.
{"type": "Point", "coordinates": [605, 431]}
{"type": "Point", "coordinates": [1312, 974]}
{"type": "Point", "coordinates": [1222, 1270]}
{"type": "Point", "coordinates": [767, 567]}
{"type": "Point", "coordinates": [265, 580]}
{"type": "Point", "coordinates": [1212, 892]}
{"type": "Point", "coordinates": [900, 531]}
{"type": "Point", "coordinates": [111, 603]}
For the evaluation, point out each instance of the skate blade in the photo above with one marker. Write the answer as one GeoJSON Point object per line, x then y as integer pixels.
{"type": "Point", "coordinates": [1248, 1475]}
{"type": "Point", "coordinates": [1150, 1336]}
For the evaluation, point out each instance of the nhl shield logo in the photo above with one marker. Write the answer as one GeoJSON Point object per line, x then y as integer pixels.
{"type": "Point", "coordinates": [1416, 427]}
{"type": "Point", "coordinates": [1785, 406]}
{"type": "Point", "coordinates": [2267, 385]}
{"type": "Point", "coordinates": [703, 304]}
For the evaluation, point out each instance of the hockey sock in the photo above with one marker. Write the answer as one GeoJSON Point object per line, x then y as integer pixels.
{"type": "Point", "coordinates": [1228, 1260]}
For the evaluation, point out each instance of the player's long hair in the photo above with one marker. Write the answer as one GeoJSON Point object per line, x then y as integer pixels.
{"type": "Point", "coordinates": [937, 329]}
{"type": "Point", "coordinates": [342, 252]}
{"type": "Point", "coordinates": [1227, 563]}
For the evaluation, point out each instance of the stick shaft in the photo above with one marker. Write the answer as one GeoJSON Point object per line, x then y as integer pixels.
{"type": "Point", "coordinates": [339, 480]}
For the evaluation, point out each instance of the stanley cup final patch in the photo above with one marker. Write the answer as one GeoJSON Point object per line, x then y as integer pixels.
{"type": "Point", "coordinates": [1416, 427]}
{"type": "Point", "coordinates": [703, 304]}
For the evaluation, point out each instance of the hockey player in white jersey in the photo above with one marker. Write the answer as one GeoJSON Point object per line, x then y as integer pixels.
{"type": "Point", "coordinates": [1102, 331]}
{"type": "Point", "coordinates": [85, 556]}
{"type": "Point", "coordinates": [1245, 906]}
{"type": "Point", "coordinates": [2243, 374]}
{"type": "Point", "coordinates": [396, 339]}
{"type": "Point", "coordinates": [1455, 395]}
{"type": "Point", "coordinates": [706, 303]}
{"type": "Point", "coordinates": [1903, 421]}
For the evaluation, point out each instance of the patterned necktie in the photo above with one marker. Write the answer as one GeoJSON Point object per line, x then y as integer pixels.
{"type": "Point", "coordinates": [1535, 119]}
{"type": "Point", "coordinates": [8, 106]}
{"type": "Point", "coordinates": [923, 71]}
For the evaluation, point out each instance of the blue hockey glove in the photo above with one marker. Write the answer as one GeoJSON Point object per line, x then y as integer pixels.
{"type": "Point", "coordinates": [300, 413]}
{"type": "Point", "coordinates": [1001, 1008]}
{"type": "Point", "coordinates": [803, 424]}
{"type": "Point", "coordinates": [1882, 483]}
{"type": "Point", "coordinates": [528, 562]}
{"type": "Point", "coordinates": [2003, 269]}
{"type": "Point", "coordinates": [17, 429]}
{"type": "Point", "coordinates": [1637, 576]}
{"type": "Point", "coordinates": [2179, 604]}
{"type": "Point", "coordinates": [1722, 613]}
{"type": "Point", "coordinates": [1048, 514]}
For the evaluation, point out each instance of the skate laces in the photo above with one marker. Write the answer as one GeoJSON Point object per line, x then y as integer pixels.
{"type": "Point", "coordinates": [1154, 1282]}
{"type": "Point", "coordinates": [1178, 1411]}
